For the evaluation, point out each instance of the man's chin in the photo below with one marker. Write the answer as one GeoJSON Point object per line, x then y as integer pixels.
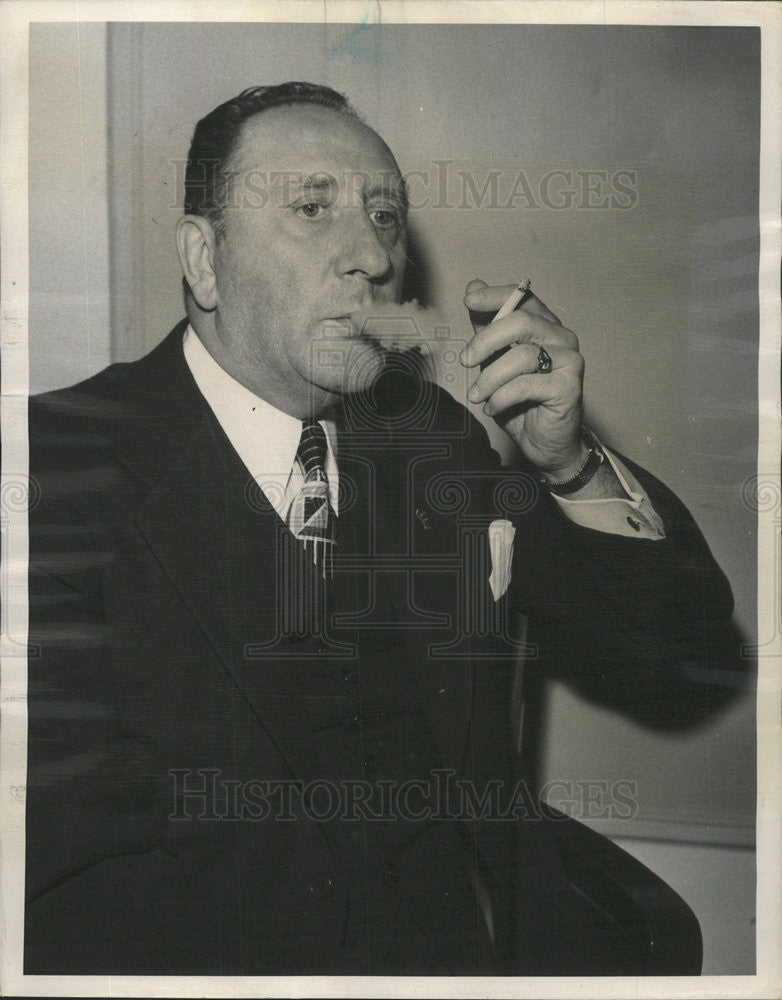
{"type": "Point", "coordinates": [349, 366]}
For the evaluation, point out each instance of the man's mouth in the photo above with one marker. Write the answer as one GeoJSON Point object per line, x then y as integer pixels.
{"type": "Point", "coordinates": [389, 326]}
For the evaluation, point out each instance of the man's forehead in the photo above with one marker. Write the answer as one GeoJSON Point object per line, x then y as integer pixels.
{"type": "Point", "coordinates": [311, 144]}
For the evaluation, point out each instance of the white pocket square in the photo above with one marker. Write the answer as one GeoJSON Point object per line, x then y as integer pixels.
{"type": "Point", "coordinates": [501, 535]}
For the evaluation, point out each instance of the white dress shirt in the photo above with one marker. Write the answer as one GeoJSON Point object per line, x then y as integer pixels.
{"type": "Point", "coordinates": [266, 440]}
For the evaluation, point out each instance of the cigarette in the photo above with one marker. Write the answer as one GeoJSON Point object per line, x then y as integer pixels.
{"type": "Point", "coordinates": [513, 299]}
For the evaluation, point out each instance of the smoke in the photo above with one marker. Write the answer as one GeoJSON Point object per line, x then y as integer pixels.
{"type": "Point", "coordinates": [402, 328]}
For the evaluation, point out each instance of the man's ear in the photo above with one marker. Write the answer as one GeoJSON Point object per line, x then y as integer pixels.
{"type": "Point", "coordinates": [195, 240]}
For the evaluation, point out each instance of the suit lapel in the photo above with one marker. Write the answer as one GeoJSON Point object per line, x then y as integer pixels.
{"type": "Point", "coordinates": [215, 537]}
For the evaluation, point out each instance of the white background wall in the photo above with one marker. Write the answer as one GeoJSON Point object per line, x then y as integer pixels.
{"type": "Point", "coordinates": [663, 296]}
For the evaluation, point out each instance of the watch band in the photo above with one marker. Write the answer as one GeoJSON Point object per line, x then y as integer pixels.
{"type": "Point", "coordinates": [592, 463]}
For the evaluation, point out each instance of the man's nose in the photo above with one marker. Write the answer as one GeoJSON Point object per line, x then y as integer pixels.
{"type": "Point", "coordinates": [362, 251]}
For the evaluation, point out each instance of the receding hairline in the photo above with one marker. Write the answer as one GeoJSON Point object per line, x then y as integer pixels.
{"type": "Point", "coordinates": [313, 111]}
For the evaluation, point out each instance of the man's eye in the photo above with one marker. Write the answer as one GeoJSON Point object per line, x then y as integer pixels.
{"type": "Point", "coordinates": [311, 209]}
{"type": "Point", "coordinates": [383, 218]}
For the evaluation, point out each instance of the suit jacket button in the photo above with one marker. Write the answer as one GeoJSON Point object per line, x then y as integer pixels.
{"type": "Point", "coordinates": [321, 886]}
{"type": "Point", "coordinates": [370, 764]}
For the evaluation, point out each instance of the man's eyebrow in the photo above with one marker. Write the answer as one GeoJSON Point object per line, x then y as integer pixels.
{"type": "Point", "coordinates": [315, 182]}
{"type": "Point", "coordinates": [393, 188]}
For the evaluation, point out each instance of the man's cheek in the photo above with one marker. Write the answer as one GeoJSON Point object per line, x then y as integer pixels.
{"type": "Point", "coordinates": [399, 261]}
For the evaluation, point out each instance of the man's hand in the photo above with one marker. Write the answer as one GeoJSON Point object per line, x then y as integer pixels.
{"type": "Point", "coordinates": [541, 412]}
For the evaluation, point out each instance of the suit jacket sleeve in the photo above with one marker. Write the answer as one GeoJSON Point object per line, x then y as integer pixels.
{"type": "Point", "coordinates": [71, 686]}
{"type": "Point", "coordinates": [642, 626]}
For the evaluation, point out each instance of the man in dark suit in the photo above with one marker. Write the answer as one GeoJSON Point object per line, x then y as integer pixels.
{"type": "Point", "coordinates": [276, 651]}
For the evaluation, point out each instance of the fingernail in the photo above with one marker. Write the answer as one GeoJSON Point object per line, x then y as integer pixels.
{"type": "Point", "coordinates": [474, 394]}
{"type": "Point", "coordinates": [466, 357]}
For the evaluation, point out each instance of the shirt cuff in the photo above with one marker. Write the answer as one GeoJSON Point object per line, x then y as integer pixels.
{"type": "Point", "coordinates": [632, 516]}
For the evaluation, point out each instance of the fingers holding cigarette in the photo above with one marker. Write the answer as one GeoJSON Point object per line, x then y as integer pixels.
{"type": "Point", "coordinates": [531, 372]}
{"type": "Point", "coordinates": [520, 327]}
{"type": "Point", "coordinates": [487, 302]}
{"type": "Point", "coordinates": [505, 315]}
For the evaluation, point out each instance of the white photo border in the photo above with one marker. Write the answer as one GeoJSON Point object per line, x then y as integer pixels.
{"type": "Point", "coordinates": [15, 18]}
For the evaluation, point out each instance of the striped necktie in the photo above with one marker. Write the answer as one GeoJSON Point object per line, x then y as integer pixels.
{"type": "Point", "coordinates": [311, 517]}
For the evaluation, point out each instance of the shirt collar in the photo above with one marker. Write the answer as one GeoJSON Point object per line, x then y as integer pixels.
{"type": "Point", "coordinates": [265, 438]}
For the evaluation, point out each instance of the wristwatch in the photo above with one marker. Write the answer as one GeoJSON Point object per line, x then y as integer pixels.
{"type": "Point", "coordinates": [592, 462]}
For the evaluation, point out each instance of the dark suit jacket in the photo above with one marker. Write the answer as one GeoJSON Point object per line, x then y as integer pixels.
{"type": "Point", "coordinates": [161, 652]}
